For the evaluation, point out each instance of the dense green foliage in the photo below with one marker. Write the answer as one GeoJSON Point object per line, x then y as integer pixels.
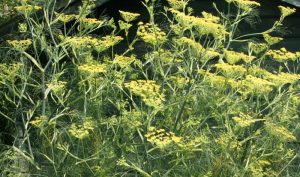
{"type": "Point", "coordinates": [176, 101]}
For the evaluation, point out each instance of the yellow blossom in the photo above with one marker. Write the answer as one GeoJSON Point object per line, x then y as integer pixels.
{"type": "Point", "coordinates": [204, 26]}
{"type": "Point", "coordinates": [128, 16]}
{"type": "Point", "coordinates": [257, 48]}
{"type": "Point", "coordinates": [92, 68]}
{"type": "Point", "coordinates": [283, 78]}
{"type": "Point", "coordinates": [124, 61]}
{"type": "Point", "coordinates": [254, 85]}
{"type": "Point", "coordinates": [233, 57]}
{"type": "Point", "coordinates": [151, 34]}
{"type": "Point", "coordinates": [231, 71]}
{"type": "Point", "coordinates": [161, 138]}
{"type": "Point", "coordinates": [148, 90]}
{"type": "Point", "coordinates": [66, 17]}
{"type": "Point", "coordinates": [286, 11]}
{"type": "Point", "coordinates": [20, 45]}
{"type": "Point", "coordinates": [272, 40]}
{"type": "Point", "coordinates": [57, 86]}
{"type": "Point", "coordinates": [82, 130]}
{"type": "Point", "coordinates": [27, 8]}
{"type": "Point", "coordinates": [244, 120]}
{"type": "Point", "coordinates": [280, 132]}
{"type": "Point", "coordinates": [177, 4]}
{"type": "Point", "coordinates": [282, 55]}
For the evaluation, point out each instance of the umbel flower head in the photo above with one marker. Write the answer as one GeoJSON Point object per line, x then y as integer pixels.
{"type": "Point", "coordinates": [24, 9]}
{"type": "Point", "coordinates": [177, 4]}
{"type": "Point", "coordinates": [151, 34]}
{"type": "Point", "coordinates": [124, 61]}
{"type": "Point", "coordinates": [282, 55]}
{"type": "Point", "coordinates": [272, 40]}
{"type": "Point", "coordinates": [286, 11]}
{"type": "Point", "coordinates": [20, 45]}
{"type": "Point", "coordinates": [128, 16]}
{"type": "Point", "coordinates": [246, 5]}
{"type": "Point", "coordinates": [204, 26]}
{"type": "Point", "coordinates": [161, 138]}
{"type": "Point", "coordinates": [280, 132]}
{"type": "Point", "coordinates": [233, 57]}
{"type": "Point", "coordinates": [65, 17]}
{"type": "Point", "coordinates": [148, 90]}
{"type": "Point", "coordinates": [88, 42]}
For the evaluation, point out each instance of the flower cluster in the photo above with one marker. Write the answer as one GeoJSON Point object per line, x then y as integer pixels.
{"type": "Point", "coordinates": [151, 34]}
{"type": "Point", "coordinates": [66, 17]}
{"type": "Point", "coordinates": [231, 71]}
{"type": "Point", "coordinates": [161, 138]}
{"type": "Point", "coordinates": [204, 26]}
{"type": "Point", "coordinates": [87, 42]}
{"type": "Point", "coordinates": [203, 53]}
{"type": "Point", "coordinates": [258, 48]}
{"type": "Point", "coordinates": [177, 4]}
{"type": "Point", "coordinates": [215, 80]}
{"type": "Point", "coordinates": [92, 68]}
{"type": "Point", "coordinates": [282, 78]}
{"type": "Point", "coordinates": [272, 40]}
{"type": "Point", "coordinates": [246, 5]}
{"type": "Point", "coordinates": [22, 27]}
{"type": "Point", "coordinates": [20, 45]}
{"type": "Point", "coordinates": [9, 71]}
{"type": "Point", "coordinates": [244, 120]}
{"type": "Point", "coordinates": [40, 121]}
{"type": "Point", "coordinates": [82, 131]}
{"type": "Point", "coordinates": [57, 86]}
{"type": "Point", "coordinates": [128, 16]}
{"type": "Point", "coordinates": [124, 61]}
{"type": "Point", "coordinates": [233, 57]}
{"type": "Point", "coordinates": [286, 11]}
{"type": "Point", "coordinates": [148, 90]}
{"type": "Point", "coordinates": [254, 85]}
{"type": "Point", "coordinates": [280, 132]}
{"type": "Point", "coordinates": [180, 81]}
{"type": "Point", "coordinates": [91, 22]}
{"type": "Point", "coordinates": [27, 8]}
{"type": "Point", "coordinates": [282, 55]}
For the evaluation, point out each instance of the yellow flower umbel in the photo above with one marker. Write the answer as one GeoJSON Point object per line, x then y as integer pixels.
{"type": "Point", "coordinates": [233, 57]}
{"type": "Point", "coordinates": [91, 68]}
{"type": "Point", "coordinates": [244, 120]}
{"type": "Point", "coordinates": [40, 121]}
{"type": "Point", "coordinates": [128, 16]}
{"type": "Point", "coordinates": [81, 131]}
{"type": "Point", "coordinates": [231, 71]}
{"type": "Point", "coordinates": [280, 132]}
{"type": "Point", "coordinates": [246, 5]}
{"type": "Point", "coordinates": [254, 85]}
{"type": "Point", "coordinates": [124, 61]}
{"type": "Point", "coordinates": [283, 78]}
{"type": "Point", "coordinates": [203, 53]}
{"type": "Point", "coordinates": [177, 4]}
{"type": "Point", "coordinates": [24, 9]}
{"type": "Point", "coordinates": [151, 34]}
{"type": "Point", "coordinates": [89, 42]}
{"type": "Point", "coordinates": [282, 55]}
{"type": "Point", "coordinates": [258, 48]}
{"type": "Point", "coordinates": [57, 86]}
{"type": "Point", "coordinates": [20, 45]}
{"type": "Point", "coordinates": [272, 40]}
{"type": "Point", "coordinates": [148, 90]}
{"type": "Point", "coordinates": [286, 11]}
{"type": "Point", "coordinates": [161, 138]}
{"type": "Point", "coordinates": [90, 23]}
{"type": "Point", "coordinates": [66, 17]}
{"type": "Point", "coordinates": [22, 27]}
